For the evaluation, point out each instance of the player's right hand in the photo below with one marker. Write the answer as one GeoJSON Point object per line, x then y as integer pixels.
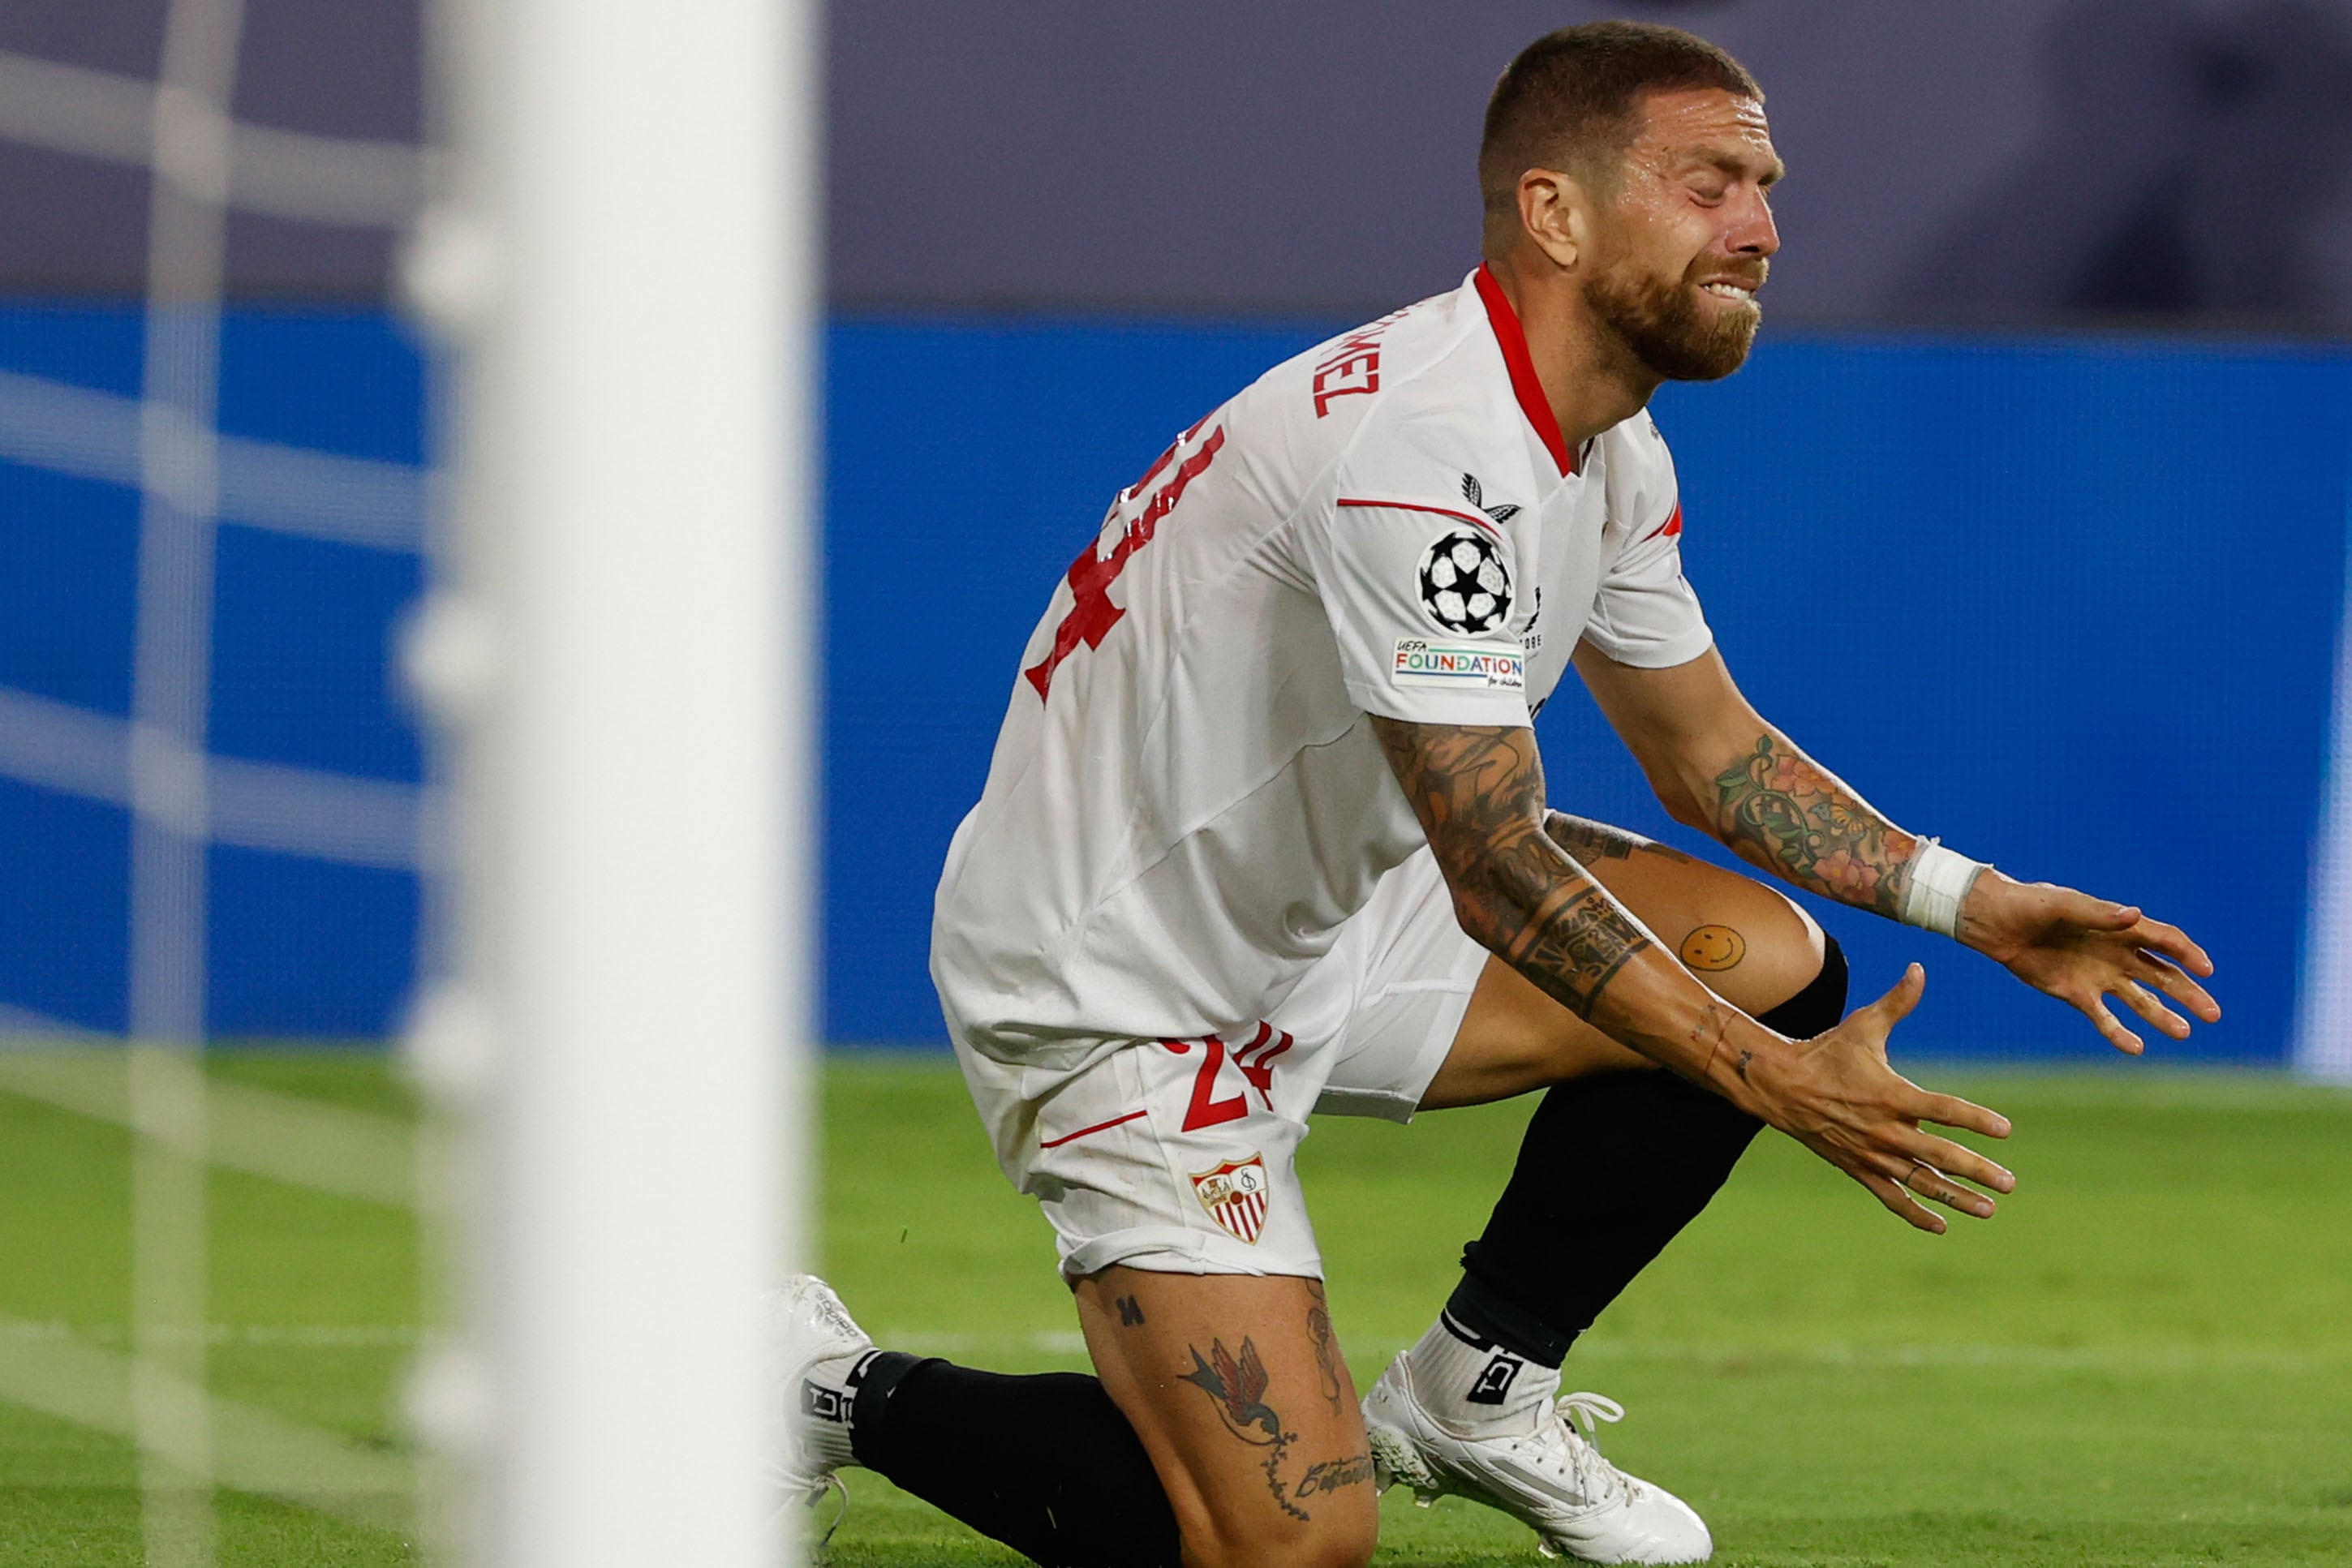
{"type": "Point", "coordinates": [1836, 1094]}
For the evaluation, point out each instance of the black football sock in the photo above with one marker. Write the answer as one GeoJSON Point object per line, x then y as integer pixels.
{"type": "Point", "coordinates": [1611, 1170]}
{"type": "Point", "coordinates": [1045, 1463]}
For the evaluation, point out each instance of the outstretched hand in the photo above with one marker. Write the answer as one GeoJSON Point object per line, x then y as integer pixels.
{"type": "Point", "coordinates": [1835, 1094]}
{"type": "Point", "coordinates": [2083, 950]}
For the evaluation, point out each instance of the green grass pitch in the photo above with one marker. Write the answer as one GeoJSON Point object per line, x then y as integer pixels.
{"type": "Point", "coordinates": [2145, 1359]}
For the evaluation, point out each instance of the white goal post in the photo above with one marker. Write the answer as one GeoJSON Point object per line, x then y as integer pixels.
{"type": "Point", "coordinates": [620, 255]}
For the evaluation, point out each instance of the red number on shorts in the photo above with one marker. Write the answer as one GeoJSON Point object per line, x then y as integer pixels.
{"type": "Point", "coordinates": [1206, 1109]}
{"type": "Point", "coordinates": [1268, 1045]}
{"type": "Point", "coordinates": [1093, 615]}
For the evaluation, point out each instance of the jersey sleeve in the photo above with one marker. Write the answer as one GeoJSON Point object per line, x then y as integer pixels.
{"type": "Point", "coordinates": [1645, 613]}
{"type": "Point", "coordinates": [1418, 594]}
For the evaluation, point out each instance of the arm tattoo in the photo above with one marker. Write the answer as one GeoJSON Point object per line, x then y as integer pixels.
{"type": "Point", "coordinates": [1479, 792]}
{"type": "Point", "coordinates": [1587, 840]}
{"type": "Point", "coordinates": [1777, 809]}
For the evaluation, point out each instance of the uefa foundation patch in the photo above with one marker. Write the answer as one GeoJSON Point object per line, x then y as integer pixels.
{"type": "Point", "coordinates": [1459, 667]}
{"type": "Point", "coordinates": [1235, 1194]}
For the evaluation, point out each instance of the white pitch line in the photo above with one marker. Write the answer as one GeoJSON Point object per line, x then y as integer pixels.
{"type": "Point", "coordinates": [285, 1138]}
{"type": "Point", "coordinates": [268, 1336]}
{"type": "Point", "coordinates": [1889, 1357]}
{"type": "Point", "coordinates": [1070, 1343]}
{"type": "Point", "coordinates": [253, 1450]}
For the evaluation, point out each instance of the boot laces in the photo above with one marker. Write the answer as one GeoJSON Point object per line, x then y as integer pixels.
{"type": "Point", "coordinates": [827, 1484]}
{"type": "Point", "coordinates": [1596, 1478]}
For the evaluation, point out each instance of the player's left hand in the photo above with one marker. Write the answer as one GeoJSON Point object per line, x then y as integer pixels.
{"type": "Point", "coordinates": [2083, 950]}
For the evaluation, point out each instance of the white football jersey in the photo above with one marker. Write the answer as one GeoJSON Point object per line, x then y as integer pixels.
{"type": "Point", "coordinates": [1187, 799]}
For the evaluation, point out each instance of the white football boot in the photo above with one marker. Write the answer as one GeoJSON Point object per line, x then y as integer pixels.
{"type": "Point", "coordinates": [1536, 1467]}
{"type": "Point", "coordinates": [819, 1353]}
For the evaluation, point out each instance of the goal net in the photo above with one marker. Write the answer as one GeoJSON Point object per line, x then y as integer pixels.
{"type": "Point", "coordinates": [608, 247]}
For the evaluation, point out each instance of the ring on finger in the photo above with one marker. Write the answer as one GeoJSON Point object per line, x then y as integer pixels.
{"type": "Point", "coordinates": [1946, 1191]}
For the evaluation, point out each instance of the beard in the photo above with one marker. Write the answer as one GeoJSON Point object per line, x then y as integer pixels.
{"type": "Point", "coordinates": [1670, 329]}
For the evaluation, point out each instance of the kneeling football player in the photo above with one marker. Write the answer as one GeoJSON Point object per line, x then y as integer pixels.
{"type": "Point", "coordinates": [1265, 833]}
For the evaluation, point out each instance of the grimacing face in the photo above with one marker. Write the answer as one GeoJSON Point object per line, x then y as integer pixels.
{"type": "Point", "coordinates": [1688, 239]}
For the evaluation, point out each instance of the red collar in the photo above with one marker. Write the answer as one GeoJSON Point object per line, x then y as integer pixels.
{"type": "Point", "coordinates": [1514, 342]}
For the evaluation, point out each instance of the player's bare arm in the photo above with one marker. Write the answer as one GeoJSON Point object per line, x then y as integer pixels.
{"type": "Point", "coordinates": [1718, 766]}
{"type": "Point", "coordinates": [1479, 793]}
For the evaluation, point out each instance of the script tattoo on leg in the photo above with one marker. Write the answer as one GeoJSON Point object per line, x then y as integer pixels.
{"type": "Point", "coordinates": [1332, 1474]}
{"type": "Point", "coordinates": [1479, 793]}
{"type": "Point", "coordinates": [1236, 1385]}
{"type": "Point", "coordinates": [1779, 810]}
{"type": "Point", "coordinates": [1131, 1312]}
{"type": "Point", "coordinates": [1327, 1349]}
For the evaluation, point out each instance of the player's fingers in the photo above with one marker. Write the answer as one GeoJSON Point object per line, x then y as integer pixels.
{"type": "Point", "coordinates": [1951, 1111]}
{"type": "Point", "coordinates": [1900, 1203]}
{"type": "Point", "coordinates": [2145, 1002]}
{"type": "Point", "coordinates": [2102, 914]}
{"type": "Point", "coordinates": [1939, 1187]}
{"type": "Point", "coordinates": [1954, 1159]}
{"type": "Point", "coordinates": [2151, 970]}
{"type": "Point", "coordinates": [2174, 943]}
{"type": "Point", "coordinates": [2094, 1008]}
{"type": "Point", "coordinates": [1896, 1004]}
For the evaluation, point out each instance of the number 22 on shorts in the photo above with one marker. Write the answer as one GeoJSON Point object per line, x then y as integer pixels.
{"type": "Point", "coordinates": [1255, 1061]}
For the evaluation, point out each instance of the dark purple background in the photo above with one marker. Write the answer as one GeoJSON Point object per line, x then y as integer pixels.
{"type": "Point", "coordinates": [2001, 161]}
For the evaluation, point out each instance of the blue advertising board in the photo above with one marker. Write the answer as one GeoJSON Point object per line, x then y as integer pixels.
{"type": "Point", "coordinates": [2071, 604]}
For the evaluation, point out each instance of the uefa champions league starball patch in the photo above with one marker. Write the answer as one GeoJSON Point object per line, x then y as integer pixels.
{"type": "Point", "coordinates": [1465, 587]}
{"type": "Point", "coordinates": [1236, 1195]}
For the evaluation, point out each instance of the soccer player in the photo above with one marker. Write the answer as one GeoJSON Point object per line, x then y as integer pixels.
{"type": "Point", "coordinates": [1266, 832]}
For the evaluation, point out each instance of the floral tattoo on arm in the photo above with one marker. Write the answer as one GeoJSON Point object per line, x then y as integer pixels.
{"type": "Point", "coordinates": [1777, 809]}
{"type": "Point", "coordinates": [1519, 892]}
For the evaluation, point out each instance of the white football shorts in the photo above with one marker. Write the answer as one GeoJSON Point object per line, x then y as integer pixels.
{"type": "Point", "coordinates": [1178, 1156]}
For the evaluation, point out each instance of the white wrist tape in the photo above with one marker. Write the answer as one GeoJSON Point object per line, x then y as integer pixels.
{"type": "Point", "coordinates": [1941, 881]}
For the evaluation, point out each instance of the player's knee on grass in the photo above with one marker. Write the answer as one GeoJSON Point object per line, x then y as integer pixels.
{"type": "Point", "coordinates": [1337, 1539]}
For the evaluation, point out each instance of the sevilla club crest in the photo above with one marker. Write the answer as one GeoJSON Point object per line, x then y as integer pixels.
{"type": "Point", "coordinates": [1236, 1196]}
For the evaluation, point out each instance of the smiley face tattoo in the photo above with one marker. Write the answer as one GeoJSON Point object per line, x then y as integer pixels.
{"type": "Point", "coordinates": [1711, 950]}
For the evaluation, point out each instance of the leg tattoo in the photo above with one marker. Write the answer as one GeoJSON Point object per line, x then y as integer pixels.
{"type": "Point", "coordinates": [1327, 1350]}
{"type": "Point", "coordinates": [1711, 950]}
{"type": "Point", "coordinates": [1236, 1385]}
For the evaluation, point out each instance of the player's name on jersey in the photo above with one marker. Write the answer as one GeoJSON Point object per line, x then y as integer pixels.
{"type": "Point", "coordinates": [1485, 667]}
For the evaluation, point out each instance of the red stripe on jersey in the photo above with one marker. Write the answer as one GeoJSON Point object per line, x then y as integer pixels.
{"type": "Point", "coordinates": [1486, 523]}
{"type": "Point", "coordinates": [1674, 525]}
{"type": "Point", "coordinates": [1522, 366]}
{"type": "Point", "coordinates": [1089, 1132]}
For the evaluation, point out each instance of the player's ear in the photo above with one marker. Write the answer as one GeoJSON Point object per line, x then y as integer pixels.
{"type": "Point", "coordinates": [1554, 211]}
